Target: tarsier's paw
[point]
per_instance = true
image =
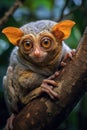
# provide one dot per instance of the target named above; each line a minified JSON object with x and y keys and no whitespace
{"x":49,"y":84}
{"x":7,"y":77}
{"x":10,"y":70}
{"x":9,"y":124}
{"x":68,"y":55}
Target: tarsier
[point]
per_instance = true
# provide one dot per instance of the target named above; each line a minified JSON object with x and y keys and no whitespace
{"x":40,"y":50}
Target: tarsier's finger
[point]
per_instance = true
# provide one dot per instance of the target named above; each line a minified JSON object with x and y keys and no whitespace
{"x":49,"y":91}
{"x":46,"y":91}
{"x":49,"y":81}
{"x":56,"y":74}
{"x":52,"y":94}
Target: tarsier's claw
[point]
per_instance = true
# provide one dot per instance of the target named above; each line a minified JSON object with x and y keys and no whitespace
{"x":48,"y":85}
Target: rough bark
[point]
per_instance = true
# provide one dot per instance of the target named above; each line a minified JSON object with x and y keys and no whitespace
{"x":43,"y":113}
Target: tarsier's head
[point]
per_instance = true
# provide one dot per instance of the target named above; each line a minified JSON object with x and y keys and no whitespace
{"x":39,"y":41}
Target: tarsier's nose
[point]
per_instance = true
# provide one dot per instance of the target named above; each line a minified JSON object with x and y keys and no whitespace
{"x":37,"y":52}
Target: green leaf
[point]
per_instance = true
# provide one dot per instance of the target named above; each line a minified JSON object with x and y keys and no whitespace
{"x":34,"y":4}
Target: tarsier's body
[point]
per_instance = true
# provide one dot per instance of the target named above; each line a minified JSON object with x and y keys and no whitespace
{"x":38,"y":55}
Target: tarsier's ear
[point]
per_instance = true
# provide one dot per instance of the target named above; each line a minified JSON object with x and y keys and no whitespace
{"x":62,"y":29}
{"x":13,"y":34}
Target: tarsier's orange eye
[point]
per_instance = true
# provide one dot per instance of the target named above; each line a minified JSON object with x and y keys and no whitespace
{"x":27,"y":45}
{"x":46,"y":42}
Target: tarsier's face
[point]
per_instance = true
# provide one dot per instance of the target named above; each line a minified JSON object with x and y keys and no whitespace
{"x":44,"y":40}
{"x":38,"y":47}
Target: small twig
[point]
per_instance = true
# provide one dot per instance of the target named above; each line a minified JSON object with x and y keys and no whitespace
{"x":70,"y":12}
{"x":10,"y":12}
{"x":62,"y":11}
{"x":73,"y":10}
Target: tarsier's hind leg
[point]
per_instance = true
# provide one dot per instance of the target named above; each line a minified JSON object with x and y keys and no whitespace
{"x":10,"y":97}
{"x":9,"y":91}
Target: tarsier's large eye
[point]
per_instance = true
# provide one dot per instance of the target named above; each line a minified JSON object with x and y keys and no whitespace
{"x":27,"y":45}
{"x":46,"y":42}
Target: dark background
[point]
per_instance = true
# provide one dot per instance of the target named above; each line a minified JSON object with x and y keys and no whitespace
{"x":57,"y":10}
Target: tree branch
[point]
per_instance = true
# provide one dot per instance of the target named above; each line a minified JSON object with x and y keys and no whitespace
{"x":62,"y":16}
{"x":45,"y":114}
{"x":62,"y":11}
{"x":10,"y":12}
{"x":71,"y":12}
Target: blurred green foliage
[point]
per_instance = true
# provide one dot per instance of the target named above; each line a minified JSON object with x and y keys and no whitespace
{"x":32,"y":10}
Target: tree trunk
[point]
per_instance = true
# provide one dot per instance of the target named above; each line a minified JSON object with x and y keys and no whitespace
{"x":43,"y":113}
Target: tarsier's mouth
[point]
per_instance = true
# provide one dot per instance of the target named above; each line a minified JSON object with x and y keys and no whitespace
{"x":38,"y":59}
